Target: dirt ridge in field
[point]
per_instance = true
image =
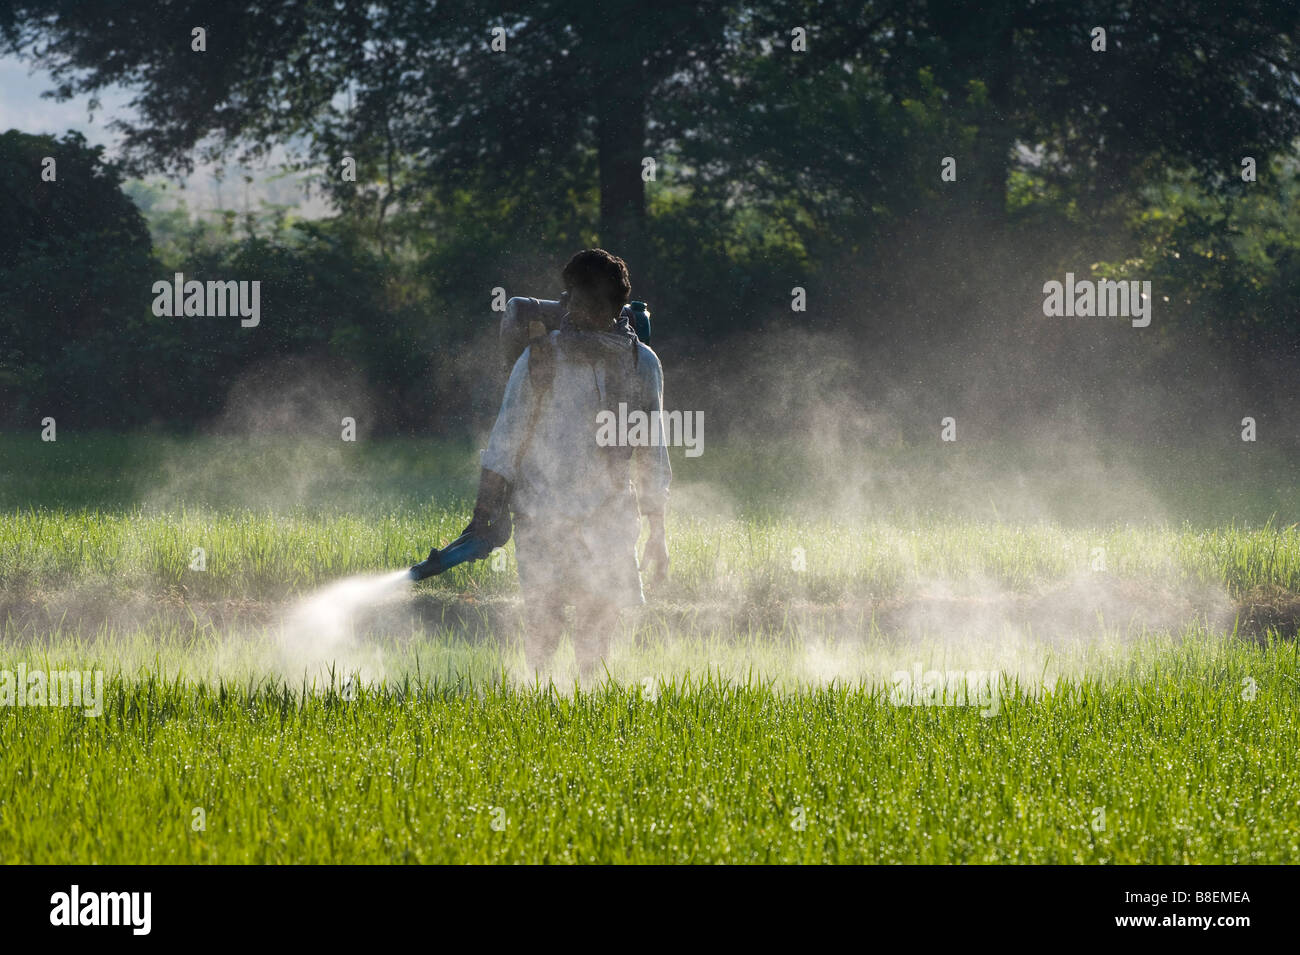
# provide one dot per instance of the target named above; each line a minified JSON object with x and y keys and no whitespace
{"x":1053,"y":611}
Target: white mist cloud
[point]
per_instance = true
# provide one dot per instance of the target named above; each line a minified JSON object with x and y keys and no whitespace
{"x":318,"y":631}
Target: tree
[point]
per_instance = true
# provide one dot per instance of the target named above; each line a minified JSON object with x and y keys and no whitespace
{"x":1191,"y":84}
{"x":414,"y":91}
{"x":75,"y":272}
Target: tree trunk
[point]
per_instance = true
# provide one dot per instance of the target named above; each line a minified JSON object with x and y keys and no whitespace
{"x":620,"y":136}
{"x":980,"y":45}
{"x":997,"y":134}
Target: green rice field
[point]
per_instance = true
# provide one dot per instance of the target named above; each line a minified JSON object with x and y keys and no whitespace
{"x":870,"y":661}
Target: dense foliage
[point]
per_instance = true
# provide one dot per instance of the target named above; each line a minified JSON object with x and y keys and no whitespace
{"x":775,"y":167}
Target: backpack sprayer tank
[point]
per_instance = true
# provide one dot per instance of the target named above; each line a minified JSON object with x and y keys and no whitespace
{"x":524,"y":320}
{"x":528,"y":318}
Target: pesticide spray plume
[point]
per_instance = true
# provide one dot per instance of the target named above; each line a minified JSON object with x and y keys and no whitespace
{"x":318,"y":635}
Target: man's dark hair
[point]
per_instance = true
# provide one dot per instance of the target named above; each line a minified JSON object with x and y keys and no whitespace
{"x":602,"y":273}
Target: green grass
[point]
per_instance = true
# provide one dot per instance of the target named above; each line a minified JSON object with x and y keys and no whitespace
{"x":748,"y":695}
{"x":698,"y":770}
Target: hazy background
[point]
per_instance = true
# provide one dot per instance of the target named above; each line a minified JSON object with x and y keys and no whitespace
{"x":774,"y":169}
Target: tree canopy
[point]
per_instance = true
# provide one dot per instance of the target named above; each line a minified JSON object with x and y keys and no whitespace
{"x":729,"y":151}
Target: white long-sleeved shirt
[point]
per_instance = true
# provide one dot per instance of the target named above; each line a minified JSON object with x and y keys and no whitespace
{"x":564,"y":474}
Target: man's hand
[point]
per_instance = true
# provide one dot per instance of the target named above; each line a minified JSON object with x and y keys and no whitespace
{"x":491,"y":520}
{"x":656,"y":550}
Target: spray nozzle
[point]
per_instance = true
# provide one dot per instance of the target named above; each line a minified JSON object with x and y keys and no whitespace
{"x":466,"y":547}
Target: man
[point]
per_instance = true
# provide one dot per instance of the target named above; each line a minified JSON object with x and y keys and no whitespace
{"x":575,"y":503}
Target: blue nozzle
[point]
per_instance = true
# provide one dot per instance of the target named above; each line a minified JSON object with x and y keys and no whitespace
{"x":457,"y":552}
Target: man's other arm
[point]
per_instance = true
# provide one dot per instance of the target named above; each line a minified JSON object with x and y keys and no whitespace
{"x":653,"y":473}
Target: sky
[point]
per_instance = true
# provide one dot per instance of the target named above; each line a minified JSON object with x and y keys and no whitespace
{"x":22,"y":107}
